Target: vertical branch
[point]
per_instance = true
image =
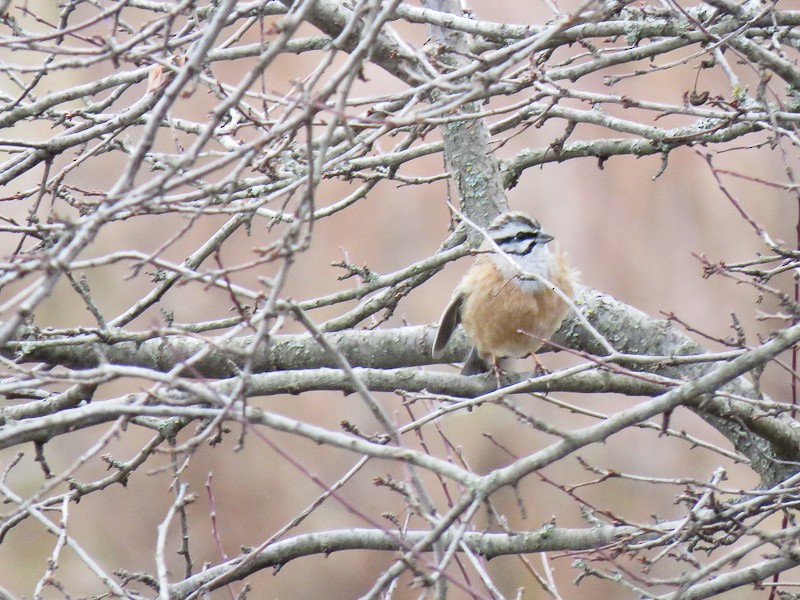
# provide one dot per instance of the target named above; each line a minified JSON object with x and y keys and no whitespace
{"x":467,"y":146}
{"x":793,"y":378}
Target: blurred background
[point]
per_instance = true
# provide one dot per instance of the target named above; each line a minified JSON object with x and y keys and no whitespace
{"x":633,"y":233}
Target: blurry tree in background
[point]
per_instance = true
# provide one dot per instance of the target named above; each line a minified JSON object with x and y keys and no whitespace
{"x":203,"y":392}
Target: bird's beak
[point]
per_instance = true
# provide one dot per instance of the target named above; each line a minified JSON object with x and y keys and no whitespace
{"x":543,"y":238}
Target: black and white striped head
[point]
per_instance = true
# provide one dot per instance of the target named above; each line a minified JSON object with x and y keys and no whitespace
{"x":517,"y":234}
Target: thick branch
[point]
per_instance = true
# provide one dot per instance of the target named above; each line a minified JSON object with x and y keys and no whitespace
{"x":488,"y":545}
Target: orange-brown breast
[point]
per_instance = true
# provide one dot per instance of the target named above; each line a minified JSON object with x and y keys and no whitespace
{"x":502,"y":320}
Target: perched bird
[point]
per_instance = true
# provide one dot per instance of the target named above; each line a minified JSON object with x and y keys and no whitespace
{"x":507,"y":302}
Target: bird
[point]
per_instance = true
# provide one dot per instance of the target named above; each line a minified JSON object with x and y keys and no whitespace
{"x":507,"y":302}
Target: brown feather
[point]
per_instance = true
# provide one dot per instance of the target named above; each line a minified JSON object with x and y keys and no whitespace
{"x":450,"y":319}
{"x":504,"y":321}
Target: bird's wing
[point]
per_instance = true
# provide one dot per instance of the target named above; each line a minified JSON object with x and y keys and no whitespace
{"x":450,"y":319}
